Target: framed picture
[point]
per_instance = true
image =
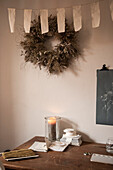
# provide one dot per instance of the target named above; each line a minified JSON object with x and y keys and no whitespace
{"x":104,"y":101}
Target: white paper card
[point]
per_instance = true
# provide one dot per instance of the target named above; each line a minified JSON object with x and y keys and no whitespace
{"x":39,"y":146}
{"x":77,"y":18}
{"x":11,"y":15}
{"x":95,"y":14}
{"x":58,"y":146}
{"x":44,"y":21}
{"x":68,"y":140}
{"x":102,"y":158}
{"x":27,"y":20}
{"x":111,"y":9}
{"x":61,"y":19}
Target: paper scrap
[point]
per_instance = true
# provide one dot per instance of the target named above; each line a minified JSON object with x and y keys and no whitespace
{"x":58,"y":147}
{"x":111,"y":9}
{"x":61,"y":19}
{"x":11,"y":15}
{"x":44,"y":20}
{"x":77,"y":17}
{"x":39,"y":146}
{"x":27,"y":19}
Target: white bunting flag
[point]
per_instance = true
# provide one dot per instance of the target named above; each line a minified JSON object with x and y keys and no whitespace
{"x":77,"y":18}
{"x":111,"y":9}
{"x":95,"y":14}
{"x":61,"y":19}
{"x":44,"y":20}
{"x":11,"y":15}
{"x":27,"y":20}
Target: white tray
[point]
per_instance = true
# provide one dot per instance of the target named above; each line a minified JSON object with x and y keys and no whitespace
{"x":26,"y":157}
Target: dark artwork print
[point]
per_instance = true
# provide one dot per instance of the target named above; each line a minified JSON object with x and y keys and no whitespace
{"x":104,"y":103}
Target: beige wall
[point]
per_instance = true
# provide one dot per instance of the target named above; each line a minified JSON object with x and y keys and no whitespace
{"x":27,"y":94}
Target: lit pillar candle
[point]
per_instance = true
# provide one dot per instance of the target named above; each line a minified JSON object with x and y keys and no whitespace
{"x":52,"y":128}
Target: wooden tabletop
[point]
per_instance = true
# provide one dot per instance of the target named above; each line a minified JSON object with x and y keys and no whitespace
{"x":72,"y":158}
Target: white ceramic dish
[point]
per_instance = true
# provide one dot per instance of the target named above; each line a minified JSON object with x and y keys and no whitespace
{"x":58,"y":143}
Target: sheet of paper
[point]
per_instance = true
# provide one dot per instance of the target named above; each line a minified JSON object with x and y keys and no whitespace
{"x":58,"y":147}
{"x":39,"y":146}
{"x":102,"y":158}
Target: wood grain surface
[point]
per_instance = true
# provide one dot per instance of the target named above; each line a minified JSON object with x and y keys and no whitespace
{"x":72,"y":158}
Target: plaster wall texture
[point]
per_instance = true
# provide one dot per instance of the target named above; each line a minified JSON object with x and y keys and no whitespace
{"x":27,"y":94}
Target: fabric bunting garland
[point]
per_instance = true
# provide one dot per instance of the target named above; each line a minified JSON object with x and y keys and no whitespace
{"x":61,"y":19}
{"x":44,"y":21}
{"x":111,"y":9}
{"x":11,"y":15}
{"x":77,"y":18}
{"x":27,"y":20}
{"x":95,"y":14}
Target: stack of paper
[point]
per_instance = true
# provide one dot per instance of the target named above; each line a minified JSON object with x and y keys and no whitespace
{"x":39,"y":146}
{"x":74,"y":140}
{"x":77,"y":140}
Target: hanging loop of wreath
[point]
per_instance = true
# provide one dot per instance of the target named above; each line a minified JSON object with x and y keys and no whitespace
{"x":55,"y":59}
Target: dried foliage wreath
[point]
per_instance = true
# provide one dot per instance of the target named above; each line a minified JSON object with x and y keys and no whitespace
{"x":56,"y":59}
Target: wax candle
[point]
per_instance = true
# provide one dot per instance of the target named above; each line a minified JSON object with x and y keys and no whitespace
{"x":52,"y":128}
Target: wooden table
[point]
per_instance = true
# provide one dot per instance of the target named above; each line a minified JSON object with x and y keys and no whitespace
{"x":72,"y":158}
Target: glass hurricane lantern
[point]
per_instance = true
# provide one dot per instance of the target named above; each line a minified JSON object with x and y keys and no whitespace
{"x":52,"y":128}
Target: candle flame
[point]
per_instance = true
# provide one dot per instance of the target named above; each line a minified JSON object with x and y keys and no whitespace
{"x":52,"y":120}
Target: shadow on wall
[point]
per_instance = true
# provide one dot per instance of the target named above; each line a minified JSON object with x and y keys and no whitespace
{"x":66,"y":123}
{"x":84,"y":37}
